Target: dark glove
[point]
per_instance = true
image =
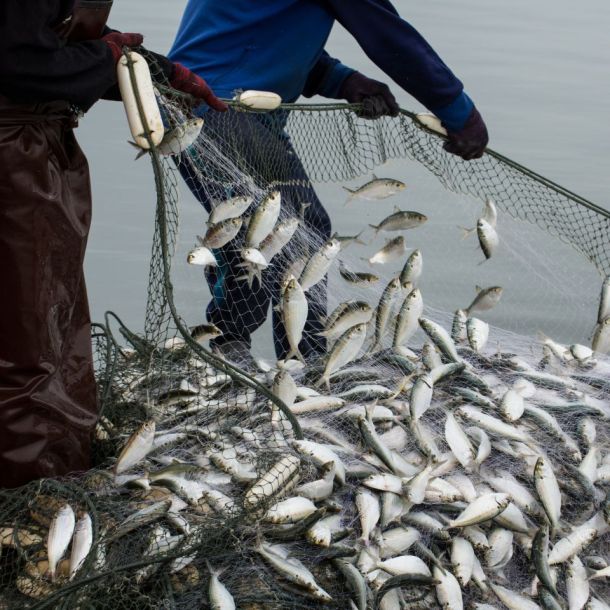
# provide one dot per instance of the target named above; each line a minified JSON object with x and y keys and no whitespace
{"x":471,"y":140}
{"x":116,"y":41}
{"x":186,"y":81}
{"x":376,"y":98}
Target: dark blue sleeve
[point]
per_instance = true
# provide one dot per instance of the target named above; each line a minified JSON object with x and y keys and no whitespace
{"x":326,"y":77}
{"x":399,"y":50}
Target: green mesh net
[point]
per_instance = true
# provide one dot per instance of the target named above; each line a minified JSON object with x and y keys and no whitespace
{"x":199,"y":457}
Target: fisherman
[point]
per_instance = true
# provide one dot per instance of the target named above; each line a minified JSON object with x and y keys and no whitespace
{"x":57,"y":58}
{"x":279,"y":46}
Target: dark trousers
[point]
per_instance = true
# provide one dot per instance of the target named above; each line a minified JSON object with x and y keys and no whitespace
{"x":258,"y":146}
{"x":47,"y":385}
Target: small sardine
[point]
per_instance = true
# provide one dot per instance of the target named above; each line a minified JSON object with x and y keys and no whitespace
{"x":318,"y":265}
{"x":263,"y":220}
{"x":356,"y":277}
{"x":400,"y":221}
{"x":487,"y":298}
{"x":230,"y":208}
{"x":201,"y":256}
{"x":60,"y":535}
{"x":393,"y":250}
{"x":488,"y":238}
{"x":412,"y":269}
{"x":377,"y":188}
{"x":137,"y":447}
{"x":222,"y":233}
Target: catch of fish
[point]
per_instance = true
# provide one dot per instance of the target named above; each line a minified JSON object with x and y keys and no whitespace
{"x":442,"y":473}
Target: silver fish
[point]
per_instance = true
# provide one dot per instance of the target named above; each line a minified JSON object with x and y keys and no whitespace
{"x":344,"y":351}
{"x":278,"y":238}
{"x":346,"y":240}
{"x":81,"y":544}
{"x":487,"y":298}
{"x":137,"y":447}
{"x":400,"y":220}
{"x":356,"y":312}
{"x":178,"y":139}
{"x":393,"y":250}
{"x":220,"y":598}
{"x":412,"y":269}
{"x":383,"y":311}
{"x":263,"y":220}
{"x":601,"y":337}
{"x":377,"y":188}
{"x":477,"y":332}
{"x":408,"y":317}
{"x":230,"y":208}
{"x":60,"y":535}
{"x":222,"y":233}
{"x":318,"y":265}
{"x":201,"y":256}
{"x":294,"y":316}
{"x":488,"y":238}
{"x":355,"y":277}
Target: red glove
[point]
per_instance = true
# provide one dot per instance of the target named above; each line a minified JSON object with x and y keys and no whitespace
{"x":116,"y":41}
{"x":186,"y":81}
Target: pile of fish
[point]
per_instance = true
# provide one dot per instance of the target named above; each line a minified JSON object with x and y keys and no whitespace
{"x":434,"y":474}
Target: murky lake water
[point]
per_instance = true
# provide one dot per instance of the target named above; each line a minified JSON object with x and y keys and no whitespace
{"x":539,"y":74}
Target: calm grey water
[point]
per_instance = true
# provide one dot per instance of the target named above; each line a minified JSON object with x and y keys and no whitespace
{"x":538,"y":72}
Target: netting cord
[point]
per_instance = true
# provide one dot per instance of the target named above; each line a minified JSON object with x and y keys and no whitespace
{"x":413,"y":116}
{"x":206,"y":355}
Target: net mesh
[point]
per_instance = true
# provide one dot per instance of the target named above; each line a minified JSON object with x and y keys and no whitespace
{"x":200,"y":451}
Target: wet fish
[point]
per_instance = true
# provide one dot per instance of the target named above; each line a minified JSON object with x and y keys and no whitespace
{"x":282,"y":233}
{"x":487,"y":298}
{"x":477,"y":332}
{"x":488,"y":238}
{"x":60,"y":535}
{"x":263,"y":220}
{"x":201,"y":256}
{"x":230,"y":208}
{"x":355,"y":277}
{"x":383,"y":311}
{"x":377,"y":188}
{"x":412,"y":270}
{"x":346,"y":348}
{"x":318,"y":265}
{"x":601,"y":337}
{"x":81,"y":544}
{"x":355,"y":312}
{"x":393,"y":250}
{"x":178,"y":139}
{"x":220,"y":598}
{"x":347,"y":240}
{"x":294,"y":316}
{"x":400,"y":220}
{"x":222,"y":233}
{"x":137,"y":447}
{"x":205,"y":332}
{"x":603,"y":310}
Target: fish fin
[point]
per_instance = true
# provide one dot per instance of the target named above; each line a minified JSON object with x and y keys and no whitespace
{"x":358,"y":240}
{"x":295,"y":352}
{"x":377,"y":229}
{"x":201,"y":240}
{"x":483,"y":261}
{"x":397,"y":209}
{"x":140,"y":154}
{"x":375,"y":176}
{"x":304,"y":207}
{"x":345,"y":188}
{"x":466,"y":232}
{"x":478,"y":288}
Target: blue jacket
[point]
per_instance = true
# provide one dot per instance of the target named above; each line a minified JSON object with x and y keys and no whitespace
{"x":278,"y":45}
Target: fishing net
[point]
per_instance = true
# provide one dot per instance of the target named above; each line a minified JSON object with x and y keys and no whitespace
{"x":222,"y":442}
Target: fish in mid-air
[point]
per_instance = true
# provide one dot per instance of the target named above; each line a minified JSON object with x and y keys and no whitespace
{"x":487,"y":298}
{"x":400,"y":220}
{"x":377,"y":188}
{"x":394,"y":249}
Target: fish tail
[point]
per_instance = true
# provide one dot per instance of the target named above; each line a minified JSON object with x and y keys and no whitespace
{"x":324,"y":380}
{"x":466,"y":232}
{"x":358,"y":240}
{"x":350,"y":196}
{"x":376,"y":227}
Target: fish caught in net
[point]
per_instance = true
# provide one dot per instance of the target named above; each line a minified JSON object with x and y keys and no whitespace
{"x":385,"y":449}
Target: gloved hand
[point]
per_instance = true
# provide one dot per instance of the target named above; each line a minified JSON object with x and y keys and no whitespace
{"x":471,"y":140}
{"x":186,"y":81}
{"x":117,"y":40}
{"x":376,"y":98}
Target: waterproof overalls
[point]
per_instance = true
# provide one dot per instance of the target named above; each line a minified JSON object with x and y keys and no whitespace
{"x":47,"y":386}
